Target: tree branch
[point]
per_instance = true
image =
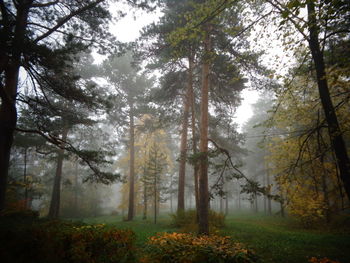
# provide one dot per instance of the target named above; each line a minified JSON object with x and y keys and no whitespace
{"x":66,"y":19}
{"x":45,"y":4}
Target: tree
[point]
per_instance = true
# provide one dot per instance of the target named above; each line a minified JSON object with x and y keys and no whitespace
{"x":152,"y":163}
{"x":180,"y":37}
{"x":152,"y":179}
{"x":31,"y":39}
{"x":301,"y":156}
{"x":335,"y":14}
{"x":257,"y":139}
{"x":130,"y":87}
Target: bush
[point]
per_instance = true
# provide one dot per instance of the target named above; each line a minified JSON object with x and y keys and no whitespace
{"x":187,"y":248}
{"x":321,"y":260}
{"x":58,"y":241}
{"x":187,"y":221}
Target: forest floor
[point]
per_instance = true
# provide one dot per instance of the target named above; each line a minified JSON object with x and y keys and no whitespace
{"x":273,"y":238}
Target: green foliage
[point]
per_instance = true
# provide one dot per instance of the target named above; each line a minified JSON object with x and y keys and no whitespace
{"x":181,"y":247}
{"x":187,"y":221}
{"x":59,"y":241}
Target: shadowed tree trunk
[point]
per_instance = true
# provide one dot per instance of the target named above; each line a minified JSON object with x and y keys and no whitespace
{"x":132,"y":162}
{"x":203,"y":208}
{"x":25,"y":179}
{"x":76,"y":184}
{"x":54,"y":210}
{"x":10,"y":65}
{"x":269,"y":210}
{"x":334,"y":130}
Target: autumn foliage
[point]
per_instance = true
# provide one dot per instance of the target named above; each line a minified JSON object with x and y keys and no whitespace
{"x":57,"y":241}
{"x":188,"y":248}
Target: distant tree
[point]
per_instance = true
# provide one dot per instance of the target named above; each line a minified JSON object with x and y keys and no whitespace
{"x":130,"y":87}
{"x":258,"y":135}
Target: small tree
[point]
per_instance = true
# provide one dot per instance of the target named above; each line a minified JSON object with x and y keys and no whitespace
{"x":153,"y":179}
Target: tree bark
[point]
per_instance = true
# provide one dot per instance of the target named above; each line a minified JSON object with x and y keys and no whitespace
{"x":56,"y":190}
{"x":144,"y":217}
{"x":132,"y":163}
{"x":8,"y":113}
{"x":76,"y":189}
{"x":269,"y":209}
{"x":334,"y":130}
{"x":203,"y":208}
{"x":183,"y":150}
{"x":25,"y":179}
{"x":155,"y":190}
{"x":193,"y":128}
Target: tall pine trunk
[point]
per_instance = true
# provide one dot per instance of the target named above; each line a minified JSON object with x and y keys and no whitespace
{"x":193,"y":128}
{"x":334,"y":130}
{"x":8,"y":114}
{"x":132,"y":163}
{"x":203,"y":208}
{"x":183,"y":149}
{"x":54,"y":210}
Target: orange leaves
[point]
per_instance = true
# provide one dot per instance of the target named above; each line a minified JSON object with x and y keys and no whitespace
{"x":322,"y":260}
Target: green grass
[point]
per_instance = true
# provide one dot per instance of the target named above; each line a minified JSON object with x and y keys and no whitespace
{"x":275,"y":240}
{"x":279,"y":240}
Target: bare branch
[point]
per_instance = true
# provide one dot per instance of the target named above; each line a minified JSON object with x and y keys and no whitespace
{"x":45,"y":4}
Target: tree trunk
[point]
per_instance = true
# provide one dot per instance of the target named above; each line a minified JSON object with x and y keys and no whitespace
{"x":282,"y":209}
{"x":155,"y":194}
{"x":203,"y":208}
{"x":76,"y":189}
{"x":56,"y":190}
{"x":25,"y":179}
{"x":144,"y":202}
{"x":239,"y":197}
{"x":132,"y":163}
{"x":264,"y":196}
{"x":8,"y":114}
{"x":269,"y":209}
{"x":183,"y":150}
{"x":334,"y":130}
{"x":193,"y":128}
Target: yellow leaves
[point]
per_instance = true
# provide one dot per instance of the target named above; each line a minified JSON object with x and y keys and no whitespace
{"x":184,"y":247}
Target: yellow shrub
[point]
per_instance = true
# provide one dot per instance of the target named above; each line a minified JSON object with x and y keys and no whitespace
{"x":188,"y":248}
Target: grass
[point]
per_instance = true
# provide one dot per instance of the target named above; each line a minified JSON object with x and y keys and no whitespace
{"x":280,"y":240}
{"x":273,"y":238}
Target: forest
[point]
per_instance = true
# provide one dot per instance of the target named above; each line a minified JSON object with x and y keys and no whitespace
{"x":186,"y":131}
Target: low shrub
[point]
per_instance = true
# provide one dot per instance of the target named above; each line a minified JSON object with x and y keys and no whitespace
{"x":188,"y":248}
{"x":322,"y":260}
{"x":187,"y":221}
{"x":58,"y":242}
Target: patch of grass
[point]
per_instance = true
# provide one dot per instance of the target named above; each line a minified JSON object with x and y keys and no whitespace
{"x":280,"y":240}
